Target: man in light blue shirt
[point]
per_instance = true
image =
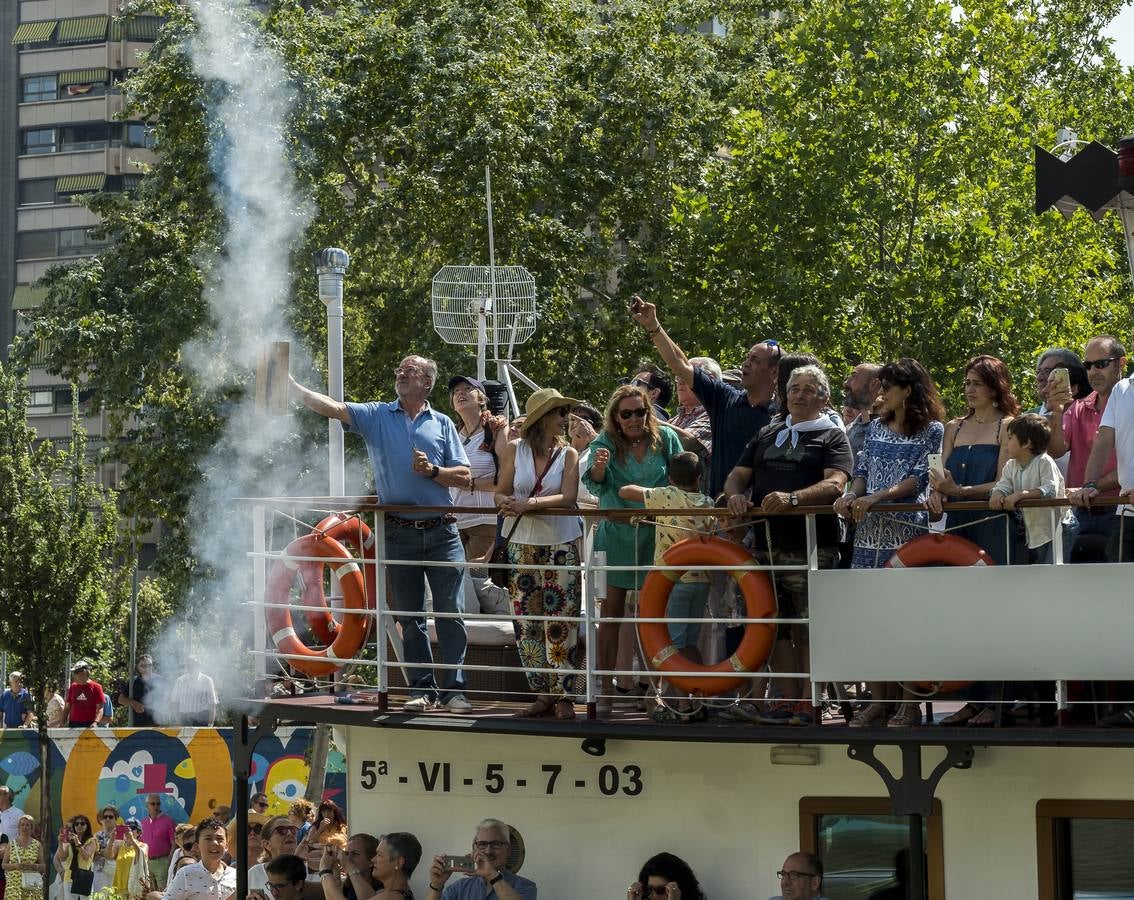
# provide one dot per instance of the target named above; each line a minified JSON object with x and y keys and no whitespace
{"x":490,"y":879}
{"x":417,"y":456}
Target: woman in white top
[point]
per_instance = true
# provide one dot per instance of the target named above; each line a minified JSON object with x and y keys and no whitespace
{"x":277,"y":837}
{"x":541,"y":455}
{"x":485,"y":438}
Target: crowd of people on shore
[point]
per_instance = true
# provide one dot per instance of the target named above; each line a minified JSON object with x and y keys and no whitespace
{"x":744,"y":445}
{"x":308,"y":854}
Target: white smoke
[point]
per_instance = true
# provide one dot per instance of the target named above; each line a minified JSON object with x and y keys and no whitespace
{"x":247,"y":286}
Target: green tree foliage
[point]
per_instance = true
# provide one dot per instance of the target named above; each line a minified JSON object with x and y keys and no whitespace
{"x":59,"y":588}
{"x":879,"y":200}
{"x":874,"y":198}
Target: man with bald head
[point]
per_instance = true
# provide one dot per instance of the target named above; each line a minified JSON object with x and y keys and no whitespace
{"x":801,"y":878}
{"x":417,"y":456}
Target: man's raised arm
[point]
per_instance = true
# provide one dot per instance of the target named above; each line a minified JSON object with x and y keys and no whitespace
{"x":320,"y":403}
{"x":646,"y":315}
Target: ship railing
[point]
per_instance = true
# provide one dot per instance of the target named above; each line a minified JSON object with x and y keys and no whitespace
{"x":916,"y":626}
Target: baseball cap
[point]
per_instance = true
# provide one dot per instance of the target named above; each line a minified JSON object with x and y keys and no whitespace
{"x":81,"y":664}
{"x":471,"y":382}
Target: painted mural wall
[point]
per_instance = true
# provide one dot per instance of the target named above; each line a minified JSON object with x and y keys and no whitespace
{"x":189,"y":768}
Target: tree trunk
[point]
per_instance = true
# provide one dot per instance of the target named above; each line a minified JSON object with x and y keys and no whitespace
{"x":320,"y":747}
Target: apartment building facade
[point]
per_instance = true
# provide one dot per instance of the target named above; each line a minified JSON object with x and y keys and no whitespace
{"x":62,"y":135}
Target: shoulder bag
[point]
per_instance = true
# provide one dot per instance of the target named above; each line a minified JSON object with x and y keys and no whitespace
{"x":499,"y":557}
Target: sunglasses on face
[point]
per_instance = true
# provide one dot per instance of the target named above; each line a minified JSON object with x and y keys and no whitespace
{"x":255,"y":828}
{"x":284,"y":829}
{"x":639,"y":413}
{"x":658,"y":890}
{"x":1089,"y":364}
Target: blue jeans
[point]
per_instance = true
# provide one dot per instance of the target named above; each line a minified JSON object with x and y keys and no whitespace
{"x":407,"y":593}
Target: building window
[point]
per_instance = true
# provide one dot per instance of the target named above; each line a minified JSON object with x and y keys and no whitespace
{"x":41,"y":399}
{"x":859,"y":839}
{"x":88,"y":136}
{"x":38,"y":140}
{"x":79,"y":242}
{"x":41,"y":190}
{"x":138,"y":135}
{"x":38,"y":88}
{"x":1077,"y":842}
{"x":35,"y":245}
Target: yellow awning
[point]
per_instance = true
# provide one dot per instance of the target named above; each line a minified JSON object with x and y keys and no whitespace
{"x":85,"y":30}
{"x":34,"y":32}
{"x":84,"y":76}
{"x":139,"y":28}
{"x":27,"y":297}
{"x":77,"y":184}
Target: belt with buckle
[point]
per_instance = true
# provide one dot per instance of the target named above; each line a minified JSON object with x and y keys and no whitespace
{"x":420,"y":524}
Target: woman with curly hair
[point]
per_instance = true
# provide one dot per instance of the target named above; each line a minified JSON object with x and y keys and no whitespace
{"x":632,"y":449}
{"x":974,"y":455}
{"x":893,"y":466}
{"x":668,"y":876}
{"x":537,"y":471}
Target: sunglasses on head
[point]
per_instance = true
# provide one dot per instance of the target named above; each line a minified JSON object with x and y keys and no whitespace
{"x":284,"y":829}
{"x":639,"y":413}
{"x":772,"y":342}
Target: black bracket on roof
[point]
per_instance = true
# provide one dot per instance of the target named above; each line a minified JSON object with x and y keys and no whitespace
{"x":911,"y":794}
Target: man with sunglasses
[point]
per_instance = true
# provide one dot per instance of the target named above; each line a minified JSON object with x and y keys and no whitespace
{"x":801,"y":878}
{"x":735,"y":414}
{"x":159,"y":833}
{"x":490,"y":878}
{"x":657,"y":388}
{"x":417,"y":455}
{"x":1074,"y":427}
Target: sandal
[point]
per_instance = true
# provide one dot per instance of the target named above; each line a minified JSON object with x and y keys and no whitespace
{"x":988,"y":717}
{"x":565,"y":710}
{"x":665,"y":715}
{"x":540,"y":709}
{"x":908,"y":715}
{"x":961,"y":716}
{"x":874,"y":714}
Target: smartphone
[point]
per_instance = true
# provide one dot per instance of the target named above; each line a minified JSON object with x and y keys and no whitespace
{"x":937,"y":464}
{"x":120,"y":832}
{"x":66,"y":832}
{"x":458,"y":863}
{"x":1060,"y":379}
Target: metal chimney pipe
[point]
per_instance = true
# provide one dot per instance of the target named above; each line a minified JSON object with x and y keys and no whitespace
{"x":331,"y":265}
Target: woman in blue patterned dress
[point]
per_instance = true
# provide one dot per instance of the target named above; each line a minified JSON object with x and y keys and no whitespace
{"x":893,"y":466}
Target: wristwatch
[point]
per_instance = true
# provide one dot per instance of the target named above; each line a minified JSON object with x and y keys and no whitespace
{"x":498,"y":877}
{"x":794,"y":498}
{"x":435,"y":471}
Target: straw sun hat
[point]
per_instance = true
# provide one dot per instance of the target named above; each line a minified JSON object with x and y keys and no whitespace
{"x":540,"y":404}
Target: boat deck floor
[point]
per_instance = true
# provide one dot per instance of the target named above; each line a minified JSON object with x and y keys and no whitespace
{"x":629,"y":723}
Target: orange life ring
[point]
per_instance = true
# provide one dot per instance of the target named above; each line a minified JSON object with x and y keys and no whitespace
{"x":356,"y":534}
{"x":351,"y":635}
{"x":938,"y":549}
{"x":759,"y":603}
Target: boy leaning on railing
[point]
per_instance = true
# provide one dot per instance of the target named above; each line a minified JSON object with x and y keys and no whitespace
{"x":690,"y":594}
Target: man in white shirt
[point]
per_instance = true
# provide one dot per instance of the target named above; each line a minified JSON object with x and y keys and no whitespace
{"x":9,"y":814}
{"x":194,"y":697}
{"x":211,"y":878}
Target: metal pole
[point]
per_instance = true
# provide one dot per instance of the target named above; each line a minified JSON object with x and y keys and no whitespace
{"x":331,"y":265}
{"x":916,"y":888}
{"x":133,"y":617}
{"x":491,"y":278}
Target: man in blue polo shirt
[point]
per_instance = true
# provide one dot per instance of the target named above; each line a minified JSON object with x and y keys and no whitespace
{"x":417,"y":456}
{"x":16,"y":702}
{"x":736,"y":415}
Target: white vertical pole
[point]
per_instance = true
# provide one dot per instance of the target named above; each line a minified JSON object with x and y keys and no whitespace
{"x":331,"y":265}
{"x":491,"y":310}
{"x":259,"y":586}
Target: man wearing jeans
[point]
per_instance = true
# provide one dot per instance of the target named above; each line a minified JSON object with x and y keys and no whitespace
{"x":417,"y":456}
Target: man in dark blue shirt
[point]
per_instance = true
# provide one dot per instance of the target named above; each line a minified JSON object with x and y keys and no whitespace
{"x":736,"y":415}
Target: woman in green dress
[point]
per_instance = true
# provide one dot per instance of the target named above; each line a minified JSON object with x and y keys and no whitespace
{"x":634,"y":448}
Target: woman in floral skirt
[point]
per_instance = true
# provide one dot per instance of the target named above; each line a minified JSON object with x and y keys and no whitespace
{"x":538,"y":471}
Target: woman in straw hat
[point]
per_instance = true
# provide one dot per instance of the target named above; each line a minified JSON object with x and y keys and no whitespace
{"x":632,"y":449}
{"x":540,"y":470}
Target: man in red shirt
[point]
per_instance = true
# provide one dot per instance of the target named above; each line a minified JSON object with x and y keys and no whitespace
{"x":1074,"y":424}
{"x":85,"y":698}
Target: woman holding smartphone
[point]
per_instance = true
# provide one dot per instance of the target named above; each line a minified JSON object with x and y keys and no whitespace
{"x":105,"y":837}
{"x":124,"y":852}
{"x":75,"y":857}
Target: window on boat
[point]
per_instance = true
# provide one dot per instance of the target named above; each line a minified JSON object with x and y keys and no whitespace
{"x":859,"y":840}
{"x":1079,"y":855}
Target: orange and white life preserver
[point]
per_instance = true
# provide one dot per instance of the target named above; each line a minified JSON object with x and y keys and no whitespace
{"x":937,"y":549}
{"x":356,"y":534}
{"x":351,"y":634}
{"x":759,"y":603}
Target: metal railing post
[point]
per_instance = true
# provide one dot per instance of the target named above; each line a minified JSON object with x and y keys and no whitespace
{"x":589,"y":624}
{"x":380,"y":600}
{"x":259,"y":586}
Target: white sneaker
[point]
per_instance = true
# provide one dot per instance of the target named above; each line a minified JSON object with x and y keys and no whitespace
{"x":458,"y":704}
{"x":419,"y":704}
